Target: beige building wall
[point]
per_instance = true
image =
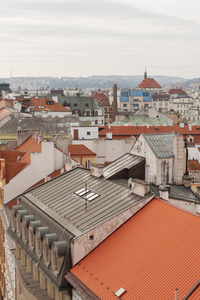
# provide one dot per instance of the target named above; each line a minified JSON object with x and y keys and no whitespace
{"x":85,"y":243}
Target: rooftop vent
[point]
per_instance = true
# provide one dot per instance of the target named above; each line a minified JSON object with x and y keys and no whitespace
{"x":120,"y":292}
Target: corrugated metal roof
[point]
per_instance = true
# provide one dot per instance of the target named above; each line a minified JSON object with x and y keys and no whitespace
{"x":57,"y":198}
{"x":152,"y":254}
{"x":126,"y":161}
{"x":160,"y":144}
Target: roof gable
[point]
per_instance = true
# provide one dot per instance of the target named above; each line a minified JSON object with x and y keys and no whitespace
{"x":149,"y":83}
{"x":160,"y":144}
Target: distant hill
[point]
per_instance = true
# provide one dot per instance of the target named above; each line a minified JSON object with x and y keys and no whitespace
{"x":91,"y":82}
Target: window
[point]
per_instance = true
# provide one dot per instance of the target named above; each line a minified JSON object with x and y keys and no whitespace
{"x":124,"y":105}
{"x":86,"y":104}
{"x":31,"y":233}
{"x":75,"y":104}
{"x":25,"y":223}
{"x":96,"y":113}
{"x":19,"y":215}
{"x":13,"y":216}
{"x":48,"y":240}
{"x":96,"y":122}
{"x":49,"y":102}
{"x":110,"y":108}
{"x":135,"y":105}
{"x":57,"y":256}
{"x":88,"y":132}
{"x":105,"y":108}
{"x":87,"y":112}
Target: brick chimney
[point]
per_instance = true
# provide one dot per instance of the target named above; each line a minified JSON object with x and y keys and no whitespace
{"x":114,"y":104}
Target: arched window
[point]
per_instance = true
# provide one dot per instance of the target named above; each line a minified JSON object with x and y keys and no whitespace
{"x":39,"y":235}
{"x":47,"y":243}
{"x":31,"y":233}
{"x":58,"y":252}
{"x":13,"y":216}
{"x":25,"y":223}
{"x":19,"y":216}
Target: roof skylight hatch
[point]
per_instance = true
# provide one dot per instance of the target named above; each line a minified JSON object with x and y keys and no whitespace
{"x":86,"y":194}
{"x":120,"y":292}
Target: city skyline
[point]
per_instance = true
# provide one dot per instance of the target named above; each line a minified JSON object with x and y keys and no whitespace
{"x":74,"y":38}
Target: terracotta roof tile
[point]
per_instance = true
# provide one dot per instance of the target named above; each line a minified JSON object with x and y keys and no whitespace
{"x":177,"y":91}
{"x":149,"y":83}
{"x":99,"y":95}
{"x":4,"y":112}
{"x":10,"y":155}
{"x":29,"y":146}
{"x":128,"y":131}
{"x":12,"y":169}
{"x":149,"y":256}
{"x":42,"y":102}
{"x":194,"y":165}
{"x":77,"y":150}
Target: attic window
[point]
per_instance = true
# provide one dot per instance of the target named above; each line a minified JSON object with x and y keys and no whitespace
{"x":49,"y":102}
{"x":86,"y":194}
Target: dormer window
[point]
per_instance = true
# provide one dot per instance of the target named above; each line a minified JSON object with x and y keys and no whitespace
{"x":25,"y":223}
{"x":31,"y":233}
{"x":47,"y":243}
{"x":88,"y":112}
{"x":39,"y":235}
{"x":13,"y":216}
{"x":58,"y":252}
{"x":19,"y":215}
{"x":49,"y":102}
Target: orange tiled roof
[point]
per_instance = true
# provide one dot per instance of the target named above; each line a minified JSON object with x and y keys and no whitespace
{"x":10,"y":155}
{"x":128,"y":131}
{"x":79,"y":150}
{"x":12,"y":169}
{"x":194,"y":165}
{"x":4,"y":112}
{"x":149,"y":83}
{"x":42,"y":102}
{"x":12,"y":164}
{"x":29,"y":146}
{"x":100,"y":95}
{"x":177,"y":91}
{"x":152,"y":254}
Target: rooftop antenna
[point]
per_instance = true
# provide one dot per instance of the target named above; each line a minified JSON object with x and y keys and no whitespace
{"x":86,"y":200}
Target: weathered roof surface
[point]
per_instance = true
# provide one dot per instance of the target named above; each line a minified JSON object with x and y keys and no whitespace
{"x":4,"y":112}
{"x":59,"y":199}
{"x":149,"y":83}
{"x":179,"y":192}
{"x":126,"y":161}
{"x":78,"y":150}
{"x":149,"y":256}
{"x":11,"y":124}
{"x":141,"y":121}
{"x":40,"y":104}
{"x":194,"y":165}
{"x":160,"y":144}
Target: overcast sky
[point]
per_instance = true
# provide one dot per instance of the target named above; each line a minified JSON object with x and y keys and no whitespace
{"x":106,"y":37}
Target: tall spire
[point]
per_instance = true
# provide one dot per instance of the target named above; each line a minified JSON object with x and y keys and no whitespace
{"x":145,"y":73}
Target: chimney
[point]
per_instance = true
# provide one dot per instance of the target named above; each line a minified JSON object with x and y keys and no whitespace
{"x":96,"y":170}
{"x":109,"y":135}
{"x":140,"y":187}
{"x":164,"y":192}
{"x":187,"y":179}
{"x":190,"y":127}
{"x":114,"y":104}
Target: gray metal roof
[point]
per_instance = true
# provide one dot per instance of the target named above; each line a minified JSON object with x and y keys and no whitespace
{"x":160,"y":144}
{"x":57,"y":198}
{"x":126,"y":161}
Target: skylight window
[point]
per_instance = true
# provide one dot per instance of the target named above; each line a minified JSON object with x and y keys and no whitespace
{"x":86,"y":194}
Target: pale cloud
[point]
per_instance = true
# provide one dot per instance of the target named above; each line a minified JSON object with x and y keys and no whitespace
{"x":72,"y":38}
